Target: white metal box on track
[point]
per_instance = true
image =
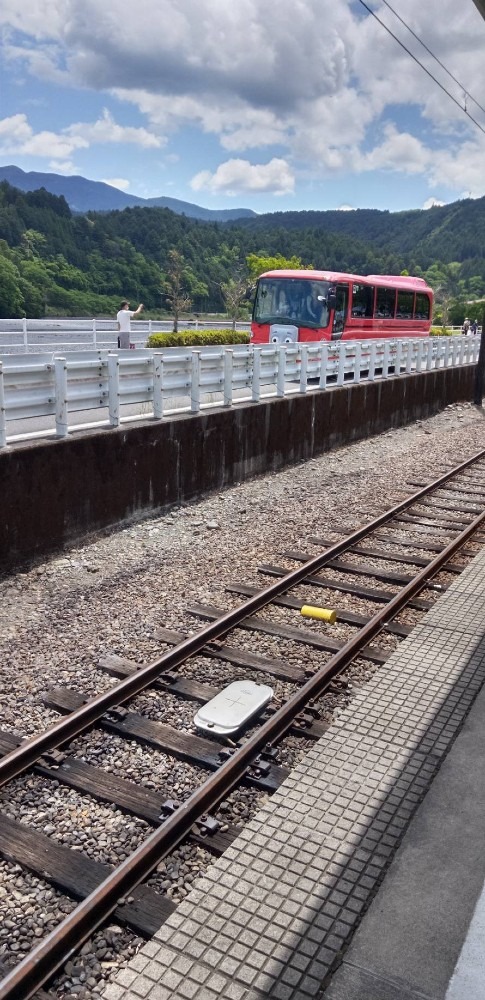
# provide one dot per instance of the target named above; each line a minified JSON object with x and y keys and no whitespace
{"x":233,"y":707}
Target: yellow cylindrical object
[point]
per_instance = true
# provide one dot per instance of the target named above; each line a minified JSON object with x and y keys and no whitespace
{"x":324,"y":614}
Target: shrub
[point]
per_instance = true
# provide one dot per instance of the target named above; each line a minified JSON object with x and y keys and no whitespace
{"x":197,"y":338}
{"x":441,"y":331}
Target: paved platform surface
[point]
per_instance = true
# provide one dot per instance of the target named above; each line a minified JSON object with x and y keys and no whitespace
{"x":359,"y":834}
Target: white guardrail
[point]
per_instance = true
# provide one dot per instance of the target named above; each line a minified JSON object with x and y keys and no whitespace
{"x":29,"y":335}
{"x":176,"y":380}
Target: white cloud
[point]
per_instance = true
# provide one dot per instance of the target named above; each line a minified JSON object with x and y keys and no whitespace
{"x":17,"y":137}
{"x":346,"y":208}
{"x":66,"y":167}
{"x":117,"y":182}
{"x":237,"y":176}
{"x":433,"y":203}
{"x":42,"y":20}
{"x":105,"y":129}
{"x":460,"y":166}
{"x":313,"y":80}
{"x":399,"y":151}
{"x":15,"y":129}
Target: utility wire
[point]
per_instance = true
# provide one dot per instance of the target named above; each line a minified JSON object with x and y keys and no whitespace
{"x":416,"y":60}
{"x":418,"y":39}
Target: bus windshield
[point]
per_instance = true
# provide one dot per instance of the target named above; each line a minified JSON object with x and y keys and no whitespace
{"x":299,"y":301}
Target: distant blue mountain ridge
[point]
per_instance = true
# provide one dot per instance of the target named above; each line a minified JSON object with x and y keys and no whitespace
{"x":83,"y":195}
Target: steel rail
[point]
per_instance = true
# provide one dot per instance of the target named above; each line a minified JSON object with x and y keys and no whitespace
{"x":41,"y":964}
{"x":77,"y":722}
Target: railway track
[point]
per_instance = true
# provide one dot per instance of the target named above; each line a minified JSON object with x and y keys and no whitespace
{"x":395,"y":567}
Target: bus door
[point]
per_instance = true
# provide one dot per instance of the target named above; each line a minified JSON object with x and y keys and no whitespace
{"x":340,"y":313}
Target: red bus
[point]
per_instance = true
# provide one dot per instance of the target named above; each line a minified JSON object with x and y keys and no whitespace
{"x":292,"y":306}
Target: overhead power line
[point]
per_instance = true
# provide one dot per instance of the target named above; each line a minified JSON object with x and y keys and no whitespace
{"x":426,"y":70}
{"x":420,"y":40}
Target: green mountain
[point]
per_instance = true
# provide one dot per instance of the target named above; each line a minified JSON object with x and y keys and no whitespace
{"x":56,"y":261}
{"x":448,"y":232}
{"x":83,"y":195}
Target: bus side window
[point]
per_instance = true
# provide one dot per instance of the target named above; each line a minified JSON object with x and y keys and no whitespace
{"x":362,"y":301}
{"x":405,"y":304}
{"x":422,"y":309}
{"x":385,"y":303}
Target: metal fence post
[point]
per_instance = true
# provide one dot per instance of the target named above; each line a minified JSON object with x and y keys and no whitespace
{"x":256,"y":380}
{"x":228,"y":371}
{"x":357,"y":362}
{"x":341,"y":364}
{"x":60,"y":371}
{"x":114,"y":389}
{"x":446,"y":359}
{"x":3,"y":412}
{"x":95,"y":342}
{"x":323,"y":366}
{"x":195,"y":384}
{"x":158,"y":385}
{"x":280,"y":378}
{"x":303,"y":367}
{"x":386,"y":360}
{"x":410,"y":347}
{"x":372,"y":361}
{"x":419,"y":356}
{"x":25,"y":335}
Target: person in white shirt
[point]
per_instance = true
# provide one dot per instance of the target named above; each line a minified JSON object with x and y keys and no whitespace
{"x":123,"y":319}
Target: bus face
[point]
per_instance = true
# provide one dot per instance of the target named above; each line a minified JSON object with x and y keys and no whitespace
{"x":306,"y":306}
{"x":288,"y":309}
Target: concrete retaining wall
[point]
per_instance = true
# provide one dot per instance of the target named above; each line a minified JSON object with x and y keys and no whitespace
{"x":53,"y":493}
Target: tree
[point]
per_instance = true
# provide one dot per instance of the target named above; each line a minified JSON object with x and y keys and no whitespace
{"x":36,"y":283}
{"x":234,"y":292}
{"x":175,"y":286}
{"x":448,"y":287}
{"x":32,"y":243}
{"x":11,"y":298}
{"x":259,"y":263}
{"x":34,"y":299}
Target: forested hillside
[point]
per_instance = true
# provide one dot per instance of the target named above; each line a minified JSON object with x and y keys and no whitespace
{"x":448,"y":232}
{"x":54,"y":262}
{"x":83,"y":195}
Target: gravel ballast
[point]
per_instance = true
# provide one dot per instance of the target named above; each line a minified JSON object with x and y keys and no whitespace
{"x":59,"y":617}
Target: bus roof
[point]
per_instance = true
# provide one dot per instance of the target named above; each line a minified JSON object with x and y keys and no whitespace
{"x":404,"y":281}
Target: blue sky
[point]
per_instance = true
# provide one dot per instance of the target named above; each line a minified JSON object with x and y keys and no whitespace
{"x":303,"y":104}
